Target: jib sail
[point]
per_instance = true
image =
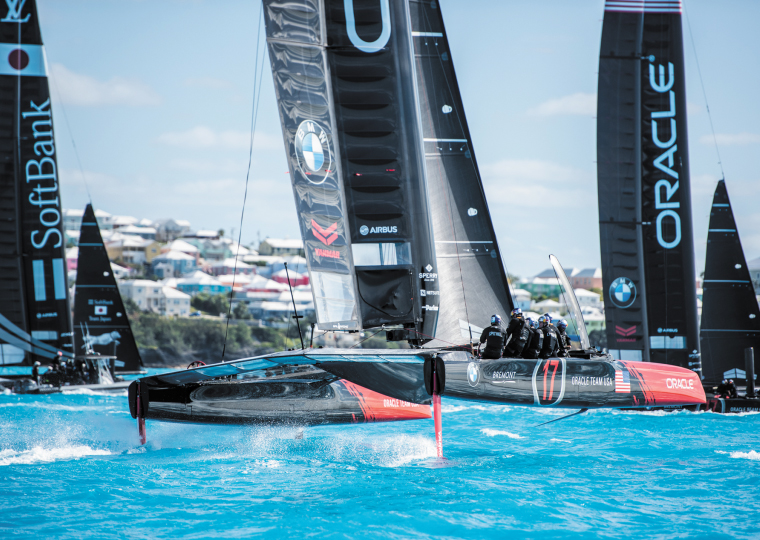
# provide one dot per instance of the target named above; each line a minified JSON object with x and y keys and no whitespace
{"x":343,"y":75}
{"x":730,"y":314}
{"x":472,"y":283}
{"x":100,"y":320}
{"x":35,"y":320}
{"x":643,"y":183}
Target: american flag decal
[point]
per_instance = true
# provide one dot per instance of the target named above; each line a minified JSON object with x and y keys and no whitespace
{"x":622,"y":382}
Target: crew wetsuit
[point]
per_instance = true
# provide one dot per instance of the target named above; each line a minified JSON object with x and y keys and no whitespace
{"x":518,"y":333}
{"x":534,"y":345}
{"x":563,"y":343}
{"x":494,"y":337}
{"x":549,"y":347}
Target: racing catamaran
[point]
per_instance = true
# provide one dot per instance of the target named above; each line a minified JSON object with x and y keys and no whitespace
{"x":397,"y":232}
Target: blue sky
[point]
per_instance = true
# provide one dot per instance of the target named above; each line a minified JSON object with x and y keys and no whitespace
{"x":157,"y":94}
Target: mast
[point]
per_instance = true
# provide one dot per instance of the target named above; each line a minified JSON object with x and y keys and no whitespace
{"x":35,"y":319}
{"x":644,"y":186}
{"x":730,"y":313}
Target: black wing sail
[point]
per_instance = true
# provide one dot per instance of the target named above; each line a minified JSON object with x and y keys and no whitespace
{"x":472,"y":280}
{"x":343,"y":77}
{"x":99,"y":315}
{"x":730,"y":314}
{"x":644,"y":187}
{"x":35,"y":319}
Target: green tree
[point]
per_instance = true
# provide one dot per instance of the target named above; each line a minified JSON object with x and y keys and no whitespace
{"x":212,"y":304}
{"x":240,"y":311}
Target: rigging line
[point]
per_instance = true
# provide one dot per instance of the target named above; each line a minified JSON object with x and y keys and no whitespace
{"x":439,"y":339}
{"x":254,"y":116}
{"x":370,"y":337}
{"x":71,"y":136}
{"x":704,"y":93}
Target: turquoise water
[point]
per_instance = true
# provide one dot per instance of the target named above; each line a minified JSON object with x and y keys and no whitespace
{"x":72,"y":467}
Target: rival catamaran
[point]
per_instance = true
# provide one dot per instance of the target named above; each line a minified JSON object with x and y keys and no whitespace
{"x":397,"y":231}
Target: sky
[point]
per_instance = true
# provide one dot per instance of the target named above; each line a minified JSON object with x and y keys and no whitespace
{"x":156,"y":97}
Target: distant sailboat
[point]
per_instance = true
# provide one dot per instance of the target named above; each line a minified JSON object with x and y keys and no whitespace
{"x":396,"y":230}
{"x":100,"y":320}
{"x":730,"y":314}
{"x":644,"y":188}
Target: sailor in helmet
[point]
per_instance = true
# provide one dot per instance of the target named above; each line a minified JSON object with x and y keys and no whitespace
{"x":494,"y":337}
{"x":518,"y":334}
{"x":549,"y":347}
{"x":563,"y":340}
{"x":536,"y":340}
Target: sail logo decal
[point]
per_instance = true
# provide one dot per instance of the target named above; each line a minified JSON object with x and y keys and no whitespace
{"x":619,"y":330}
{"x":328,"y":235}
{"x":15,"y":7}
{"x":622,"y":382}
{"x":359,"y":43}
{"x":101,"y":310}
{"x":473,"y":373}
{"x":21,"y":59}
{"x":313,"y":152}
{"x":666,"y":188}
{"x":622,"y":292}
{"x":364,"y":230}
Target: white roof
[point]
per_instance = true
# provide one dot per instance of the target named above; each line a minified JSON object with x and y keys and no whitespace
{"x":583,"y":293}
{"x":72,"y":253}
{"x":73,"y":212}
{"x":204,"y":280}
{"x":72,"y":234}
{"x":239,"y":279}
{"x":754,"y":264}
{"x":298,"y":296}
{"x":144,"y":222}
{"x":276,"y":306}
{"x":121,"y":221}
{"x":207,"y":234}
{"x":142,"y":283}
{"x":283,"y":273}
{"x":272,"y":284}
{"x":285,"y":243}
{"x":547,"y":304}
{"x":184,"y":247}
{"x":174,"y":293}
{"x":522,"y":292}
{"x":134,"y":229}
{"x":230,"y":262}
{"x":197,"y":274}
{"x":174,"y":256}
{"x":100,"y":214}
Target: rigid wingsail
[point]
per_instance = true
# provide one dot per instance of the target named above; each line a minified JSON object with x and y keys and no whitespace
{"x":644,"y":187}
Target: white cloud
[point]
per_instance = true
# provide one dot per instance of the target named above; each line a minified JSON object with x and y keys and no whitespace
{"x":77,"y":89}
{"x":205,"y":137}
{"x":579,"y":104}
{"x":731,"y":139}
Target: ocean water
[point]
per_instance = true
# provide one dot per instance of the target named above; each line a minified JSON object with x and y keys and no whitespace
{"x":72,"y":467}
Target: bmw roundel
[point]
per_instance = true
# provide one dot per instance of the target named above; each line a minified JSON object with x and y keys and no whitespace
{"x":313,"y":151}
{"x":623,"y":292}
{"x":473,"y":373}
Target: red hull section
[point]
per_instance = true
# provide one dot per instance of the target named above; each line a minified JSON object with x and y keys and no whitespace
{"x":663,"y":384}
{"x":379,"y":408}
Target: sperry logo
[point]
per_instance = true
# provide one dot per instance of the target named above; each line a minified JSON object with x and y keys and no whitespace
{"x":326,"y":236}
{"x":15,"y":7}
{"x":619,"y":330}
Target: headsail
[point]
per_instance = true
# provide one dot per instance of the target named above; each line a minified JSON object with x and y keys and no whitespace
{"x":35,"y":319}
{"x":100,"y":319}
{"x":472,"y":280}
{"x":644,"y":188}
{"x":730,"y":314}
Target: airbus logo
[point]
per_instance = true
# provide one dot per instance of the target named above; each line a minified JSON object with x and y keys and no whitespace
{"x":364,"y":230}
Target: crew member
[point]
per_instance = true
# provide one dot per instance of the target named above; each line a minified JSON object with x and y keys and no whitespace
{"x":732,"y":393}
{"x":533,"y":348}
{"x":518,"y":333}
{"x":494,"y":337}
{"x":36,"y":373}
{"x":549,"y":347}
{"x":551,"y":324}
{"x":563,"y":340}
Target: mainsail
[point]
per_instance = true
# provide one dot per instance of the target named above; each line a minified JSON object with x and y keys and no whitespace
{"x":100,"y":320}
{"x":381,"y":165}
{"x":730,"y":314}
{"x":35,"y":320}
{"x":644,"y":189}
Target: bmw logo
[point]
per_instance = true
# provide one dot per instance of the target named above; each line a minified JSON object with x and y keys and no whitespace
{"x":313,"y":152}
{"x":623,"y":292}
{"x":473,"y":373}
{"x":364,"y":230}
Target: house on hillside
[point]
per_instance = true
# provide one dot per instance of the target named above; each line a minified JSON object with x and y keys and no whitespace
{"x":588,"y":278}
{"x":281,"y":247}
{"x":181,"y":263}
{"x":168,"y":230}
